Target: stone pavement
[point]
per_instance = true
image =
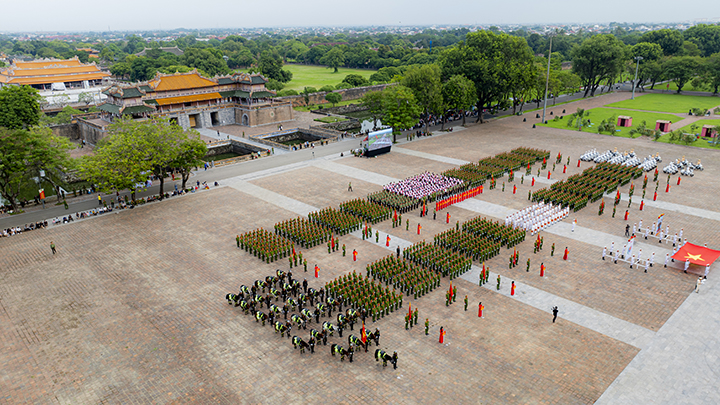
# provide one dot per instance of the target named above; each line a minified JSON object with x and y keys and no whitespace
{"x":131,"y":308}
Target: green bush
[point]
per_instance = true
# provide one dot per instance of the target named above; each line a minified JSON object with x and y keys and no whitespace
{"x":273,"y":84}
{"x":343,"y":85}
{"x":284,"y":93}
{"x":327,"y":88}
{"x":699,"y":111}
{"x":355,"y":80}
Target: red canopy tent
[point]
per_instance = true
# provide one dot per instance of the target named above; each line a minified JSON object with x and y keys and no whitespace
{"x":696,"y":254}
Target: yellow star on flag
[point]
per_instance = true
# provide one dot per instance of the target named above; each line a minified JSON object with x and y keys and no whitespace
{"x":695,"y":257}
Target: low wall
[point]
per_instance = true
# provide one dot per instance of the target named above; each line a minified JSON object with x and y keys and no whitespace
{"x":311,"y":135}
{"x":347,"y":94}
{"x":70,"y":131}
{"x":237,"y":147}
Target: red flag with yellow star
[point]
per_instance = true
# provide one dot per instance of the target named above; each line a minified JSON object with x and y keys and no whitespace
{"x":696,"y":254}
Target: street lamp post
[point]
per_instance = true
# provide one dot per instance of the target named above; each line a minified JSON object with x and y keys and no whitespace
{"x":637,"y":65}
{"x":547,"y":80}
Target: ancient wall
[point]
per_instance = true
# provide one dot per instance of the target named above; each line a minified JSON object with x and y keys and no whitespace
{"x":69,"y":131}
{"x":347,"y":94}
{"x":266,"y":114}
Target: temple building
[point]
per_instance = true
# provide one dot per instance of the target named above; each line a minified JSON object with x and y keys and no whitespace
{"x":53,"y":74}
{"x":194,"y":101}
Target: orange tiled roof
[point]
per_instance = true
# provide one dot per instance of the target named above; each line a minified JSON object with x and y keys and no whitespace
{"x":187,"y":99}
{"x":52,"y":79}
{"x":180,"y":81}
{"x":47,"y":62}
{"x":48,"y":71}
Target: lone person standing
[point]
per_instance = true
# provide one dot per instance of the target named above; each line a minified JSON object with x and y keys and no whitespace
{"x":52,"y":247}
{"x":555,"y":312}
{"x":349,"y":185}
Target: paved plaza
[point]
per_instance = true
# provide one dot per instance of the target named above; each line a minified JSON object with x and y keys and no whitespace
{"x":131,"y":309}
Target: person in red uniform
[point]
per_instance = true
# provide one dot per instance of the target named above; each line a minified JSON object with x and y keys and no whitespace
{"x":442,"y":334}
{"x":542,"y":270}
{"x":512,"y":289}
{"x":480,"y":309}
{"x":354,"y":255}
{"x":317,"y":271}
{"x":566,"y":254}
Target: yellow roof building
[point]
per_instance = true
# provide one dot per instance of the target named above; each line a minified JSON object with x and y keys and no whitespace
{"x":41,"y":74}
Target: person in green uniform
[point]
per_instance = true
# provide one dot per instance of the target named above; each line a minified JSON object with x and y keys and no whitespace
{"x":427,"y":326}
{"x":237,"y":240}
{"x":466,"y":302}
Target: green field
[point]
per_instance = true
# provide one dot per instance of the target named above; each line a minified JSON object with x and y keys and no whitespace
{"x":318,"y":76}
{"x":673,"y":87}
{"x":599,"y":114}
{"x":672,"y":103}
{"x":699,"y":125}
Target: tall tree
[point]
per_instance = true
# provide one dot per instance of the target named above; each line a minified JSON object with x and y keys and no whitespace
{"x":598,"y":58}
{"x":333,"y":58}
{"x":491,"y":61}
{"x":374,"y":102}
{"x":133,"y":148}
{"x":459,"y":94}
{"x":706,"y":37}
{"x":24,"y":154}
{"x":401,"y":109}
{"x":671,"y":41}
{"x":19,"y":107}
{"x":710,"y":72}
{"x":649,"y":52}
{"x":424,"y":81}
{"x":681,"y":69}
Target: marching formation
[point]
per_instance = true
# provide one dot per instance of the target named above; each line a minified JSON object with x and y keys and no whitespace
{"x":401,"y":203}
{"x":303,"y":232}
{"x":438,"y":259}
{"x":362,"y":292}
{"x":476,"y":247}
{"x":426,"y":185}
{"x":282,"y":289}
{"x":339,"y":222}
{"x":367,"y":210}
{"x":410,"y":279}
{"x":494,"y":231}
{"x":576,"y":191}
{"x":264,"y":245}
{"x":537,"y":217}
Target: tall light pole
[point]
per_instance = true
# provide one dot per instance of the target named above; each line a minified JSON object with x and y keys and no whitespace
{"x":637,"y":65}
{"x":547,"y":79}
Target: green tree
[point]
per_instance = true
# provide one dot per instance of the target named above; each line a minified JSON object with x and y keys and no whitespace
{"x":459,"y":94}
{"x":306,"y":95}
{"x":490,"y":60}
{"x":374,"y":101}
{"x":649,"y":52}
{"x":579,"y":119}
{"x":334,"y":58}
{"x":598,"y":58}
{"x":401,"y":110}
{"x":681,"y":69}
{"x":86,"y":98}
{"x":671,"y":41}
{"x":133,"y":148}
{"x":271,"y":66}
{"x":120,"y":70}
{"x":709,"y":73}
{"x":24,"y":154}
{"x":355,"y":80}
{"x":705,"y":36}
{"x":333,"y":98}
{"x":19,"y":107}
{"x":424,"y":81}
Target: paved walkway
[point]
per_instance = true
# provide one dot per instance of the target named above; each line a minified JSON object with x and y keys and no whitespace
{"x":668,"y":206}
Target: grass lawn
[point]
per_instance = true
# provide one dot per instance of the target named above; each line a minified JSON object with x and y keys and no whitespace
{"x":318,"y":76}
{"x":599,"y":114}
{"x":673,"y":87}
{"x":672,"y":103}
{"x":329,"y":120}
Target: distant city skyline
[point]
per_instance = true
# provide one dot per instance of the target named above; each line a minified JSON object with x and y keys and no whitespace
{"x":135,"y":15}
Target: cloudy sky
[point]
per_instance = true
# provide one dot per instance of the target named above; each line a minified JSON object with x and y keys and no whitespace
{"x":76,"y":15}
